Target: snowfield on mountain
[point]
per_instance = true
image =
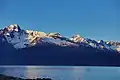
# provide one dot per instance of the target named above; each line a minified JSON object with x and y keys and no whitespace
{"x":20,"y":46}
{"x":19,"y":38}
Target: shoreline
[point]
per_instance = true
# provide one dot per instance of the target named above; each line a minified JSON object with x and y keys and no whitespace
{"x":4,"y":77}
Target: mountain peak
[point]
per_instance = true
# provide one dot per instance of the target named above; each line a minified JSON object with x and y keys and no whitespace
{"x":19,"y":38}
{"x":55,"y":34}
{"x":78,"y":38}
{"x":12,"y":27}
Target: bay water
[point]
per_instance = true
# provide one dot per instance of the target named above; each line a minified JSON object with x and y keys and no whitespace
{"x":63,"y":72}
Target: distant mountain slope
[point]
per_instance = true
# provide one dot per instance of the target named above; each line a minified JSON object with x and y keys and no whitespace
{"x":27,"y":47}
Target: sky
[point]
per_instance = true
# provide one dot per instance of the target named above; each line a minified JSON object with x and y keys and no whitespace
{"x":95,"y":19}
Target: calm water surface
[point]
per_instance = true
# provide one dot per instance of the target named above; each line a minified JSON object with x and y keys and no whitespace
{"x":63,"y":72}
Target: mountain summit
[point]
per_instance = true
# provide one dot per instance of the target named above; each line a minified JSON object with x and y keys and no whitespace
{"x":19,"y":38}
{"x":28,"y":47}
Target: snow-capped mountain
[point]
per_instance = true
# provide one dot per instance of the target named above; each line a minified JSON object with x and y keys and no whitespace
{"x":28,"y":47}
{"x":19,"y":38}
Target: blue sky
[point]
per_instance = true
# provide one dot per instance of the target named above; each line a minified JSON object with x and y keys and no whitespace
{"x":96,"y":19}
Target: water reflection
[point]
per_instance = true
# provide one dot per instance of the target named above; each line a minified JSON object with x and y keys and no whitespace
{"x":63,"y":72}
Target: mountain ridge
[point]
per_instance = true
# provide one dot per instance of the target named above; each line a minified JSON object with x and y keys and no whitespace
{"x":20,"y":38}
{"x":27,"y":47}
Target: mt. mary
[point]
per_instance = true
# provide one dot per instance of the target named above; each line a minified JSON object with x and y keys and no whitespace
{"x":30,"y":47}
